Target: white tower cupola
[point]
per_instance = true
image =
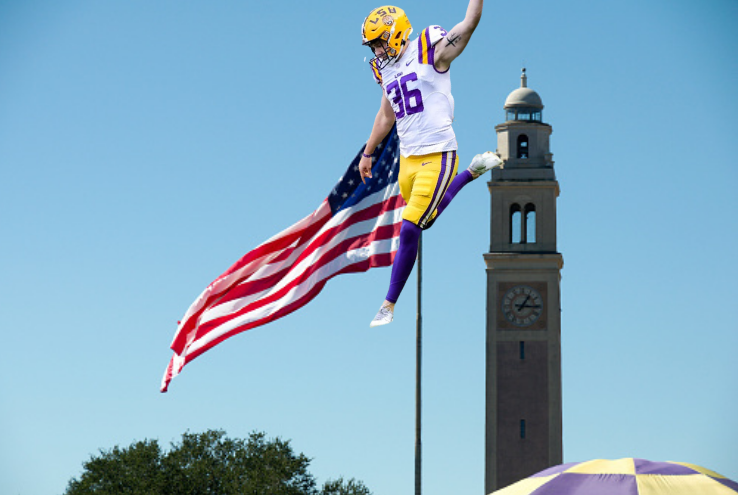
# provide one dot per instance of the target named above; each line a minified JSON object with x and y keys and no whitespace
{"x":524,"y":103}
{"x":523,"y":139}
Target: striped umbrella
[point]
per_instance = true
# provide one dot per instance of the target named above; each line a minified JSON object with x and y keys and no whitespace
{"x":623,"y":477}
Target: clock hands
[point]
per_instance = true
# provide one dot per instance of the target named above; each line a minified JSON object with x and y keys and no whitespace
{"x":525,"y":304}
{"x":522,"y":305}
{"x":529,"y":306}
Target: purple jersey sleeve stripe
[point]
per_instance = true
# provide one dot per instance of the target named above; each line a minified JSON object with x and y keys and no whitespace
{"x":430,"y":48}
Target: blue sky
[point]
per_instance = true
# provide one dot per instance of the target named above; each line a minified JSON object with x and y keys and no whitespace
{"x":145,"y":146}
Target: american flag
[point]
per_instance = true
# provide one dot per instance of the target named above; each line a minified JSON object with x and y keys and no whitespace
{"x":355,"y":228}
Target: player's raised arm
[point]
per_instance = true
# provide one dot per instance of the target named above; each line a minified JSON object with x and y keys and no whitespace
{"x":457,"y":38}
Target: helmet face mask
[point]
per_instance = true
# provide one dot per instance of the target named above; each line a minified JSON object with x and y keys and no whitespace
{"x":387,"y":28}
{"x":385,"y":56}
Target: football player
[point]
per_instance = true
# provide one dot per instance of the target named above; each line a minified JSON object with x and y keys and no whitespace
{"x":416,"y":95}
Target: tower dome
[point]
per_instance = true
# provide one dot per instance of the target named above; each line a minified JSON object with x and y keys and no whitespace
{"x":524,"y":103}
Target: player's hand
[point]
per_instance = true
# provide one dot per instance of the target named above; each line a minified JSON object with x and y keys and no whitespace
{"x":365,"y":168}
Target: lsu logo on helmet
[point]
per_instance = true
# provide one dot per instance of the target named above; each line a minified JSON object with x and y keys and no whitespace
{"x":387,"y":29}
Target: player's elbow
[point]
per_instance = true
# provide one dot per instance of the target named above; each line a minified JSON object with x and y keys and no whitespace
{"x":387,"y":124}
{"x":473,"y":16}
{"x":387,"y":119}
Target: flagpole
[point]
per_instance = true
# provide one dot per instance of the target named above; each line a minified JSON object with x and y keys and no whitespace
{"x":418,"y":368}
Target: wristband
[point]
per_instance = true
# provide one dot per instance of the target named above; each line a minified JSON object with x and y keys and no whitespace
{"x":365,"y":155}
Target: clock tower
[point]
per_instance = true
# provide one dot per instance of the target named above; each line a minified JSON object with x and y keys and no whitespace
{"x":523,"y":382}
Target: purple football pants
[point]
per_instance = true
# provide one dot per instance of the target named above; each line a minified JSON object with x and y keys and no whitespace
{"x":409,"y":236}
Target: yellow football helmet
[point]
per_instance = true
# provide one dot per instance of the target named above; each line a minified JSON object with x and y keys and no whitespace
{"x":388,"y":26}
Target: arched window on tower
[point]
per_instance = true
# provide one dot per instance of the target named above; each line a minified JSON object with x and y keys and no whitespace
{"x":516,"y":224}
{"x":530,"y":223}
{"x":523,"y":146}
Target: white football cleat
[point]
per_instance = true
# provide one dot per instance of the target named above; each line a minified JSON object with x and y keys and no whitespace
{"x":484,"y":162}
{"x":383,"y":317}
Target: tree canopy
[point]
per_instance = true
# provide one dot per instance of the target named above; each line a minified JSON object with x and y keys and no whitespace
{"x":203,"y":464}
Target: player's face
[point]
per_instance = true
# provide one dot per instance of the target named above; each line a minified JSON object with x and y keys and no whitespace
{"x":379,"y":49}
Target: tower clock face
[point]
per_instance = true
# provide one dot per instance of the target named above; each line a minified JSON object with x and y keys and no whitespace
{"x":522,"y":305}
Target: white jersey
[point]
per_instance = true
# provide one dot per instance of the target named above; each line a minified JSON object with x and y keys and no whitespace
{"x":420,"y":96}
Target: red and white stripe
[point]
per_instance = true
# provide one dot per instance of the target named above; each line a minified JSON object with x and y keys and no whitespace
{"x":289,"y":270}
